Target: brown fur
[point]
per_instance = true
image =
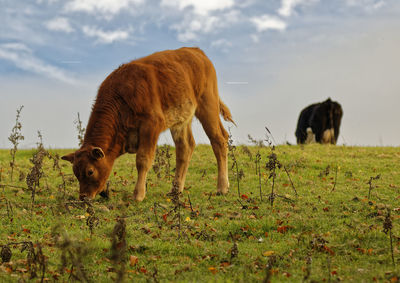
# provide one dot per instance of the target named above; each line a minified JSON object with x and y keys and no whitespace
{"x":143,"y":98}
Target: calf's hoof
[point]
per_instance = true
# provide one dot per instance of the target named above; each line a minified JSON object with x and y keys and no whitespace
{"x":223,"y":187}
{"x":222,"y":191}
{"x":138,"y":196}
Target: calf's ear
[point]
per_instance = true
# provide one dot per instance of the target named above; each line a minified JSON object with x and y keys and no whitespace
{"x":69,"y":157}
{"x":97,"y":153}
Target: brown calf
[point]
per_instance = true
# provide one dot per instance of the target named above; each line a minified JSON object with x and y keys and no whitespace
{"x":137,"y":102}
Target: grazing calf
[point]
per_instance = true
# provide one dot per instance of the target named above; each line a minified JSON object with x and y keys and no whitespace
{"x":137,"y":102}
{"x":320,"y":123}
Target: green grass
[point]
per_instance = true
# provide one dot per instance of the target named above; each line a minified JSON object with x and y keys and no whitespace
{"x":341,"y":231}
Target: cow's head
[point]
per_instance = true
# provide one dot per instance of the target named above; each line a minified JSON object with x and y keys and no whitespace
{"x":91,"y":168}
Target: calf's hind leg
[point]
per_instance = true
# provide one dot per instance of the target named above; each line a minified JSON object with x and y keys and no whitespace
{"x":184,"y":143}
{"x":209,"y":118}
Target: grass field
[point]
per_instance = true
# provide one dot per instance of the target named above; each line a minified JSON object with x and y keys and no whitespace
{"x":330,"y":231}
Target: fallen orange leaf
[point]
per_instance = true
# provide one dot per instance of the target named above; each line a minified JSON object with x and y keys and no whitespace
{"x":225,"y":264}
{"x":213,"y":270}
{"x":133,"y":260}
{"x":283,"y":229}
{"x":268,"y":253}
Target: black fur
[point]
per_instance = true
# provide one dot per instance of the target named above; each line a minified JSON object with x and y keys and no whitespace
{"x":319,"y":117}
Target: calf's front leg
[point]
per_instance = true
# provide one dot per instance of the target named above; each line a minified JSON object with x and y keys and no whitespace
{"x":144,"y":158}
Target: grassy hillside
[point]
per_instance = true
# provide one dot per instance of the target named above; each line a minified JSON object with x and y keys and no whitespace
{"x":330,"y":231}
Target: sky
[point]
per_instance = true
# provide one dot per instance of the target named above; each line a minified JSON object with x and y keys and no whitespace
{"x":273,"y":58}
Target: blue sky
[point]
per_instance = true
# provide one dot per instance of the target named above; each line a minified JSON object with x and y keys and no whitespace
{"x":272,"y":58}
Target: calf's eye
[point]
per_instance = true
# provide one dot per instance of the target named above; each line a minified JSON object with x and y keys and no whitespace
{"x":90,"y":172}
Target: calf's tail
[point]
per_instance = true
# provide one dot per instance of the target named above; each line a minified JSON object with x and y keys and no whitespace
{"x":225,"y":112}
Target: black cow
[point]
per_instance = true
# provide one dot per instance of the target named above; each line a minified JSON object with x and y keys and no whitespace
{"x":319,"y":122}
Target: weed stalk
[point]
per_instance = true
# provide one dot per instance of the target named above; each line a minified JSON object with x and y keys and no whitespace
{"x":334,"y":183}
{"x":36,"y":172}
{"x":258,"y":172}
{"x":232,"y":150}
{"x":80,"y":129}
{"x":268,"y":269}
{"x":387,"y":228}
{"x":371,"y":186}
{"x":57,"y":167}
{"x":15,"y":137}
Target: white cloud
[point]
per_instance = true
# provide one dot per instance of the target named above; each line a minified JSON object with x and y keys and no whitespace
{"x":201,"y":17}
{"x":255,"y":38}
{"x":24,"y":59}
{"x":59,"y":24}
{"x":287,"y":6}
{"x":16,"y":46}
{"x":107,"y":8}
{"x":378,"y":4}
{"x":222,"y":44}
{"x":191,"y":26}
{"x":267,"y":22}
{"x":194,"y":25}
{"x":48,"y":1}
{"x":201,"y":7}
{"x":105,"y":36}
{"x":369,"y":5}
